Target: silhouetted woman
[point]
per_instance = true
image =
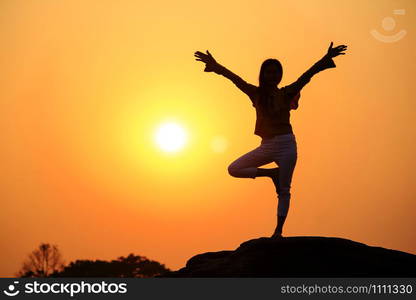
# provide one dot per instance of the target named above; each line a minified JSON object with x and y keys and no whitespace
{"x":273,"y":107}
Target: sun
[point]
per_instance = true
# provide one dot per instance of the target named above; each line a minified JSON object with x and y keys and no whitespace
{"x":171,"y":137}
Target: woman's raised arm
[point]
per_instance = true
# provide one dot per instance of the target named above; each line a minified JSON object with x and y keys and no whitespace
{"x":324,"y":63}
{"x":211,"y":65}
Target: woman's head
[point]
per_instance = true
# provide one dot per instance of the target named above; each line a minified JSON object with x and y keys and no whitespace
{"x":271,"y":72}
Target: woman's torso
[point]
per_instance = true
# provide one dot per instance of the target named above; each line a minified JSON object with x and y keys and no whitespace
{"x":273,"y":117}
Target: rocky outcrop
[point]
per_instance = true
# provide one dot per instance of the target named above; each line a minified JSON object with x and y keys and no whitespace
{"x":300,"y":256}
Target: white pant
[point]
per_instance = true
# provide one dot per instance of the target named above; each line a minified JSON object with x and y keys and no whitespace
{"x":281,"y":149}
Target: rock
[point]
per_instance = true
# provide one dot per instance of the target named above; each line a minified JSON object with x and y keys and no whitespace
{"x":300,"y":256}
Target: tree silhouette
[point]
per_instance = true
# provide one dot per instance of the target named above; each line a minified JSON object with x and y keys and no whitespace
{"x":41,"y":262}
{"x":130,"y":266}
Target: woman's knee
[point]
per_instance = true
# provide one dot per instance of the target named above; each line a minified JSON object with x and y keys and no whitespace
{"x":233,"y":170}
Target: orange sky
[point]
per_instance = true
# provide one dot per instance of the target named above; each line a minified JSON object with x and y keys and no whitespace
{"x":85,"y":84}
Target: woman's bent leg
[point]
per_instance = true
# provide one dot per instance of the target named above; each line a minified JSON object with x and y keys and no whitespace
{"x":246,"y":165}
{"x":267,"y":172}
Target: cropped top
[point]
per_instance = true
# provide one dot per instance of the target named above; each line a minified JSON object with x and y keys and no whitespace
{"x":275,"y":119}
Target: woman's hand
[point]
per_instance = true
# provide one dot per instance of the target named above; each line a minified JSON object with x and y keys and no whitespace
{"x":211,"y":64}
{"x":332,"y":52}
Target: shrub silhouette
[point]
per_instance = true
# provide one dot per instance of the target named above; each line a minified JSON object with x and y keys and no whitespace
{"x":130,"y":266}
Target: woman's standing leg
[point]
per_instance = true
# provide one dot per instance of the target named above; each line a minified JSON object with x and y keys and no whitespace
{"x":286,"y":158}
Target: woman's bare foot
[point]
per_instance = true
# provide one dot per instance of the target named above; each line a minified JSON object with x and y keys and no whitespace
{"x":276,"y":235}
